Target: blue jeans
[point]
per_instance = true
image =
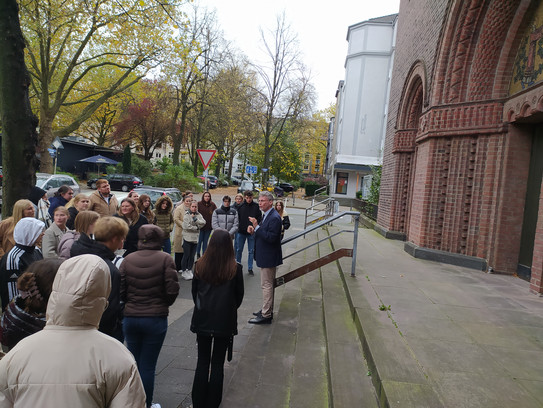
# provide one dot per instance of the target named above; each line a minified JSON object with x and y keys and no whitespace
{"x":167,"y":246}
{"x":240,"y":243}
{"x":144,"y":337}
{"x":202,"y":241}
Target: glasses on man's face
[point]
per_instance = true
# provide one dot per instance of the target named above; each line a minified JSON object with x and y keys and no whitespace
{"x":263,"y":200}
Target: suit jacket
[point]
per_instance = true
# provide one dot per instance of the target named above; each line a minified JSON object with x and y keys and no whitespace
{"x":268,"y":252}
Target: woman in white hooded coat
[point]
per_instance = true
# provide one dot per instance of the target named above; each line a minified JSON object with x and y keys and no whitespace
{"x":70,"y":363}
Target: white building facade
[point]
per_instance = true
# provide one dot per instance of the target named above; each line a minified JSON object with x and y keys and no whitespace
{"x":359,"y":129}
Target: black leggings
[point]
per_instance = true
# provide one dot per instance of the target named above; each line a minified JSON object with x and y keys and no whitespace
{"x":207,"y":388}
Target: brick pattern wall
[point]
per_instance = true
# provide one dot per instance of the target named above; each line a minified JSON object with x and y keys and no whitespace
{"x":462,"y":188}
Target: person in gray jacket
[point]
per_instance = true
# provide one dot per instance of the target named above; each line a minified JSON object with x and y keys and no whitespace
{"x":225,"y":218}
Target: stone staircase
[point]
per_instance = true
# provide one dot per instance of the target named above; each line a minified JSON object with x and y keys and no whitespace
{"x":311,"y":356}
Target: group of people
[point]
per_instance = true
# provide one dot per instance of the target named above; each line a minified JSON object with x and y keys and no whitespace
{"x":69,"y":275}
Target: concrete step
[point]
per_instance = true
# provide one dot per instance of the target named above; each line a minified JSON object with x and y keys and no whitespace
{"x":350,"y":378}
{"x":311,"y":356}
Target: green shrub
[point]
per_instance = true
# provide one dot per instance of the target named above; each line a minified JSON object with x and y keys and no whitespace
{"x":359,"y":195}
{"x":179,"y":177}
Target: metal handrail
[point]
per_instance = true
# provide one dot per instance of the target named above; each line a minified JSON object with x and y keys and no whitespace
{"x":354,"y":214}
{"x":319,"y":193}
{"x":328,"y":210}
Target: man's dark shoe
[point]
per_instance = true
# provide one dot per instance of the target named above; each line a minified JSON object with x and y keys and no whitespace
{"x":251,"y":272}
{"x":259,"y":313}
{"x":261,"y":320}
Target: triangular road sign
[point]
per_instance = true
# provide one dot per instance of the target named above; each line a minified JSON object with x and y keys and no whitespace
{"x":206,"y":156}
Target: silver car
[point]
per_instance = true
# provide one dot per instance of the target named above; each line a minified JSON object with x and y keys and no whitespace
{"x":52,"y":182}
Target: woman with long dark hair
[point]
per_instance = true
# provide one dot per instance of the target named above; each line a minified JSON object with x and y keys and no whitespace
{"x":217,"y":291}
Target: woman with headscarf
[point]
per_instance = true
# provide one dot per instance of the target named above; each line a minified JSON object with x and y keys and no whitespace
{"x":28,"y":234}
{"x":21,"y":209}
{"x":80,"y":202}
{"x":25,"y":314}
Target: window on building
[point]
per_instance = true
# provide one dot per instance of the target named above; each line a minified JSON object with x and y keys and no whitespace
{"x":341,"y":183}
{"x":240,"y":166}
{"x":170,"y":155}
{"x":317,"y":168}
{"x":306,"y":167}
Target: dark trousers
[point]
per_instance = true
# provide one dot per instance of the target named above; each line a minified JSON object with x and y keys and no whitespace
{"x":144,"y":338}
{"x":207,"y":386}
{"x":202,"y":241}
{"x":189,"y":250}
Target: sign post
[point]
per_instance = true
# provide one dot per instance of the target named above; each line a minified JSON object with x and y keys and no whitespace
{"x":205,"y":157}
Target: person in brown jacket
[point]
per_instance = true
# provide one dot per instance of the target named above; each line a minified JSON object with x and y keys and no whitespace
{"x":102,"y":201}
{"x":149,"y":285}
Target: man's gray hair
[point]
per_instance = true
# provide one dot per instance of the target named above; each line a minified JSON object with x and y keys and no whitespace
{"x":267,"y":195}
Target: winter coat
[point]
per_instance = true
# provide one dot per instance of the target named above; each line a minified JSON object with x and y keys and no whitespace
{"x":16,"y":324}
{"x":164,"y":219}
{"x":42,"y":213}
{"x":110,"y":323}
{"x":19,"y":258}
{"x":51,"y":239}
{"x":245,"y":211}
{"x":70,"y":363}
{"x":225,"y":218}
{"x":192,"y":223}
{"x":131,"y":240}
{"x":149,"y":283}
{"x":101,"y":206}
{"x":54,"y":202}
{"x":65,"y":244}
{"x":178,"y":216}
{"x":216,"y":307}
{"x":207,"y":209}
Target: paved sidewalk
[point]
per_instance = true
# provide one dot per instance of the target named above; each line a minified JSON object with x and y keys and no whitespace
{"x":448,"y":336}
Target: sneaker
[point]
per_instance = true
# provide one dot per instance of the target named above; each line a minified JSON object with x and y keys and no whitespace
{"x":251,"y":272}
{"x":155,"y":405}
{"x":186,"y":274}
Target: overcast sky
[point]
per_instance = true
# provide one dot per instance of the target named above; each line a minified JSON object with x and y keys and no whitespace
{"x":321,"y":27}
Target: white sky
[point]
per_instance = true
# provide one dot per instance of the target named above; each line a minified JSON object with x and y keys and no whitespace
{"x":321,"y":27}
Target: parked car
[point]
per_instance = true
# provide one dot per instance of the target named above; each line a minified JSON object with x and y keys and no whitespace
{"x":248,"y":185}
{"x":52,"y":182}
{"x":122,"y":182}
{"x":286,"y":187}
{"x":212,"y":181}
{"x":156,"y":192}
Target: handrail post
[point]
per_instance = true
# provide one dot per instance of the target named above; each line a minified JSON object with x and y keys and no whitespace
{"x":355,"y":244}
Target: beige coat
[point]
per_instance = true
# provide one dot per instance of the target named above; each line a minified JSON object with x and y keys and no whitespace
{"x":178,"y":216}
{"x":98,"y":204}
{"x":70,"y":363}
{"x":191,"y":226}
{"x":51,"y":239}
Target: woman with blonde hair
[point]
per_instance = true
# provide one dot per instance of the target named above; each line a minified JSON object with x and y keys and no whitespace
{"x":129,"y":212}
{"x":54,"y":233}
{"x":80,"y":202}
{"x":84,"y":224}
{"x":21,"y":209}
{"x":144,"y":207}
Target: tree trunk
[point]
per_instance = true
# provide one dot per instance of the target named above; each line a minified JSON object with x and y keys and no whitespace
{"x":19,"y":139}
{"x":46,"y":137}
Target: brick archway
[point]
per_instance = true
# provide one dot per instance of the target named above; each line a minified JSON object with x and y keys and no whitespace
{"x":405,"y":146}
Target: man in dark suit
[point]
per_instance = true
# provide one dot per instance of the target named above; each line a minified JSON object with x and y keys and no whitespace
{"x":268,"y":253}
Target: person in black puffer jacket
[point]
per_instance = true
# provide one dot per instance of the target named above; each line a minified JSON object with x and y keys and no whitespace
{"x":25,"y":314}
{"x":217,"y":291}
{"x":109,"y":234}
